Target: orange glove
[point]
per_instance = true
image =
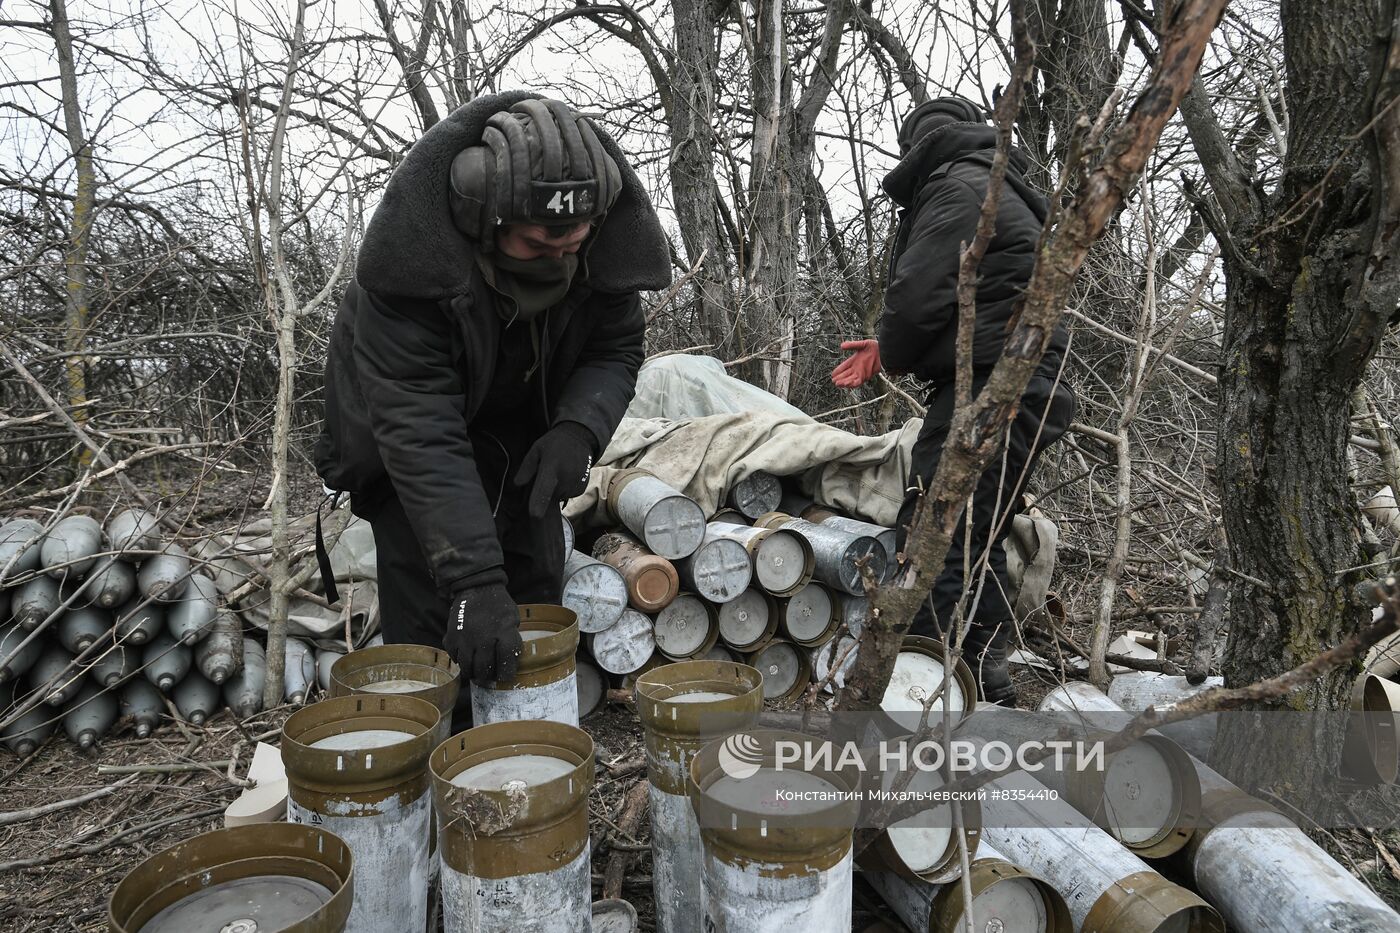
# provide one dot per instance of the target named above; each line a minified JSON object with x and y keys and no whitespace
{"x":858,"y":368}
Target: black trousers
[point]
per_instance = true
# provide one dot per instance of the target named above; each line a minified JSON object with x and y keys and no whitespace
{"x":411,"y":608}
{"x":1045,"y":413}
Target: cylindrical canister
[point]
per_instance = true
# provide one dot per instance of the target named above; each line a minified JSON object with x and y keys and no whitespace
{"x":854,"y":611}
{"x":777,"y":846}
{"x":686,"y":628}
{"x":667,"y":521}
{"x":405,"y":670}
{"x":569,"y":535}
{"x":1135,"y":691}
{"x":652,"y":581}
{"x":133,"y":532}
{"x":545,"y":686}
{"x":69,"y":550}
{"x":919,"y":672}
{"x":1108,"y":889}
{"x":196,"y":698}
{"x":832,"y":661}
{"x":1005,"y":899}
{"x":55,"y":673}
{"x":786,"y":669}
{"x":783,"y":562}
{"x":1146,"y":795}
{"x":512,"y":805}
{"x":885,"y":536}
{"x":626,"y":646}
{"x":299,"y":675}
{"x":718,"y":571}
{"x":325,"y":660}
{"x":746,"y":623}
{"x":808,"y":617}
{"x":683,"y":707}
{"x":926,"y":846}
{"x":755,"y":494}
{"x":30,"y":730}
{"x":1258,"y":869}
{"x":261,"y":877}
{"x":838,"y":553}
{"x":592,"y":686}
{"x":595,"y":592}
{"x":358,"y":767}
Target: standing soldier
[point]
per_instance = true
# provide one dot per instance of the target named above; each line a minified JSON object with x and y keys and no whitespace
{"x":946,"y":150}
{"x":481,"y":361}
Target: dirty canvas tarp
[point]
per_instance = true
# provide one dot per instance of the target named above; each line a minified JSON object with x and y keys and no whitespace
{"x":352,"y":560}
{"x":701,"y":431}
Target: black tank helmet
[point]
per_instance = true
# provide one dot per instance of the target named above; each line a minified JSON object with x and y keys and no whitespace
{"x":539,"y":162}
{"x":935,"y":114}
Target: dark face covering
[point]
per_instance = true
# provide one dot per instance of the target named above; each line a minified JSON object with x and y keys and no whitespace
{"x":534,"y":285}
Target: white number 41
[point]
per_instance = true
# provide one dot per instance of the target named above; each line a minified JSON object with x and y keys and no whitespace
{"x":561,"y":201}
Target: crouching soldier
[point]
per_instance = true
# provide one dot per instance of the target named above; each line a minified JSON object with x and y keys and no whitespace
{"x":946,"y":148}
{"x":481,"y":360}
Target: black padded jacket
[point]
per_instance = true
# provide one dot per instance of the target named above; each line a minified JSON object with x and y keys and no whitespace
{"x":941,"y":184}
{"x":415,"y":343}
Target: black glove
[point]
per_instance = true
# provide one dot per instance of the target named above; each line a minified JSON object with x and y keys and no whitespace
{"x":558,"y":465}
{"x":483,"y":634}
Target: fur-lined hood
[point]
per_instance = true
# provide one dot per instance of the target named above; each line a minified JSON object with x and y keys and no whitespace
{"x":412,"y":248}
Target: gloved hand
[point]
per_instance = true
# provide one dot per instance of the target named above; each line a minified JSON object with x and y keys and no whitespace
{"x":858,"y":368}
{"x":558,"y":465}
{"x":483,"y":634}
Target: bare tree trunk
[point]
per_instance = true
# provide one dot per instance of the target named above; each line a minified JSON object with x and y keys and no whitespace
{"x":75,"y":257}
{"x":691,"y":116}
{"x":1311,"y":288}
{"x":283,"y":309}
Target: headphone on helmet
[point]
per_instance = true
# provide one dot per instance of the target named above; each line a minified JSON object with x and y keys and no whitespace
{"x":539,"y":162}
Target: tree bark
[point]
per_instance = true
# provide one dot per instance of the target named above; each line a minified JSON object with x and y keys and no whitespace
{"x":1311,"y":287}
{"x":694,"y":192}
{"x":75,"y":257}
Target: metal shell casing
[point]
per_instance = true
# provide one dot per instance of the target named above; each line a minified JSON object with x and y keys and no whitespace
{"x":231,"y":856}
{"x":718,"y":571}
{"x":685,"y":629}
{"x":838,"y":553}
{"x":652,"y":581}
{"x":373,"y":794}
{"x":782,"y":561}
{"x":808,"y":617}
{"x":544,"y":686}
{"x":402,"y":670}
{"x":755,"y":494}
{"x":515,"y":857}
{"x":670,"y":523}
{"x":747,"y":623}
{"x":674,"y":731}
{"x":625,"y":647}
{"x":786,"y":670}
{"x":595,"y":591}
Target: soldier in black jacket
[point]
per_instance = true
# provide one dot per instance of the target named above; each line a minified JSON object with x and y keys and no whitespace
{"x":946,"y":148}
{"x":480,"y":362}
